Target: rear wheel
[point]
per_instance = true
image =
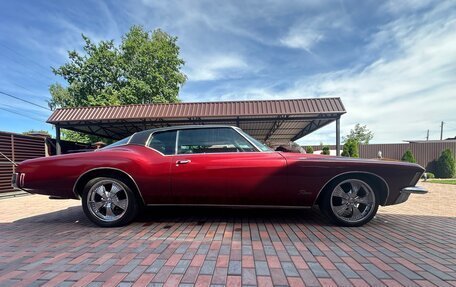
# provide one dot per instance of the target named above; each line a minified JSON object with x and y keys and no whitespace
{"x":109,"y":202}
{"x":350,"y":202}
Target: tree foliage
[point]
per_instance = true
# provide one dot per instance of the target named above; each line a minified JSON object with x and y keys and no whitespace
{"x":359,"y":133}
{"x":350,"y":148}
{"x":326,"y":150}
{"x":309,"y":149}
{"x":445,"y":166}
{"x":408,"y":157}
{"x":144,"y":68}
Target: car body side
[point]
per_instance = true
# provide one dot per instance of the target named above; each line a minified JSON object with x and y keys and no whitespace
{"x":285,"y":179}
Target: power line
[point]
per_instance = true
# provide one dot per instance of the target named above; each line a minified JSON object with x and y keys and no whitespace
{"x":27,"y":89}
{"x":25,"y":57}
{"x":20,"y":114}
{"x":20,"y":99}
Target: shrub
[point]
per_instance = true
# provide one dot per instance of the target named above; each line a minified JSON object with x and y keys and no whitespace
{"x":430,"y":175}
{"x":325,"y":150}
{"x":408,"y":157}
{"x":309,"y":149}
{"x":350,"y":148}
{"x":445,"y":166}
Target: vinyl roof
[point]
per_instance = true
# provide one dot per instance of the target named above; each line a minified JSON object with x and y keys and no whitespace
{"x":277,"y":121}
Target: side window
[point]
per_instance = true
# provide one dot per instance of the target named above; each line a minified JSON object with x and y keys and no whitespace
{"x":212,"y":140}
{"x":164,"y":142}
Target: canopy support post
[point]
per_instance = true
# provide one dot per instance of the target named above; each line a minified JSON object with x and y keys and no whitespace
{"x":338,"y":136}
{"x":58,"y":148}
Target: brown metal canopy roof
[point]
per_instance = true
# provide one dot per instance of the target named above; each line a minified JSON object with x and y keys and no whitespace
{"x":277,"y":121}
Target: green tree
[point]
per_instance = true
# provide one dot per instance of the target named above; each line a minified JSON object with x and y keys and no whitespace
{"x":359,"y":133}
{"x":144,"y":68}
{"x":309,"y":149}
{"x":408,"y":157}
{"x":326,"y":150}
{"x":42,"y":132}
{"x":350,"y":148}
{"x":445,"y":166}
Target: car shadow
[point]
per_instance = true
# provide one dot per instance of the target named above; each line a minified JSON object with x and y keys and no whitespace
{"x":229,"y":214}
{"x":73,"y":217}
{"x":185,"y":214}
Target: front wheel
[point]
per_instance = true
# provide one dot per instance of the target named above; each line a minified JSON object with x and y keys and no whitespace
{"x":349,"y":202}
{"x":109,"y":202}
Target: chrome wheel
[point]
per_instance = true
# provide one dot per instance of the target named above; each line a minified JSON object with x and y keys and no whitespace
{"x":107,"y":200}
{"x":352,"y":200}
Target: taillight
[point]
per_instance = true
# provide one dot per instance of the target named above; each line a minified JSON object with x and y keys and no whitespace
{"x":21,"y":180}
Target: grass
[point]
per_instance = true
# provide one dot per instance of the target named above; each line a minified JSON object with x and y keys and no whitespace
{"x":443,"y":181}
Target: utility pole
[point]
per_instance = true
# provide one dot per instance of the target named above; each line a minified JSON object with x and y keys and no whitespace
{"x":427,"y":135}
{"x":441,"y":130}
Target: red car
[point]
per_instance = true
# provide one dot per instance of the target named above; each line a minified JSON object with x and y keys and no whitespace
{"x":215,"y":165}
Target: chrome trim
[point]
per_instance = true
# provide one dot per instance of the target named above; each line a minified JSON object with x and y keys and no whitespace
{"x":196,"y":127}
{"x":149,"y":139}
{"x":231,"y":205}
{"x":209,"y":153}
{"x":414,"y":190}
{"x":254,"y":145}
{"x":21,"y":180}
{"x":182,"y":161}
{"x":177,"y":142}
{"x":129,"y":140}
{"x":356,"y":172}
{"x":112,"y":168}
{"x":108,"y":146}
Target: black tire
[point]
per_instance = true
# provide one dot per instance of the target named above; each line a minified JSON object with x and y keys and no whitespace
{"x":124,"y":217}
{"x":327,"y":202}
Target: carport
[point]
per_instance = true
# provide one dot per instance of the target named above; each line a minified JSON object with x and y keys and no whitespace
{"x":273,"y":121}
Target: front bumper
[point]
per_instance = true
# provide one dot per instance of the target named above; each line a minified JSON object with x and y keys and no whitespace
{"x":414,"y":189}
{"x":406,"y":191}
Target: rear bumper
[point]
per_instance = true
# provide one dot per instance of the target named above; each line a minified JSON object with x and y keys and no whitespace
{"x":406,"y":191}
{"x":14,"y":180}
{"x":17,"y":180}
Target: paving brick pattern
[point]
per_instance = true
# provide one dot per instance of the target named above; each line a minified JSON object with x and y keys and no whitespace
{"x":50,"y":243}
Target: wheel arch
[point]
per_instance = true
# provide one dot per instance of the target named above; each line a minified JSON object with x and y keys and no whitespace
{"x":378,"y":182}
{"x":116,"y":173}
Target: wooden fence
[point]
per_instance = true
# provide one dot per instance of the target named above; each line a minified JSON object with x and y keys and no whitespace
{"x":18,"y":148}
{"x":425,"y":152}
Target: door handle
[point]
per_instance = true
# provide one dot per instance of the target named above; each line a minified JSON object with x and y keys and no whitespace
{"x":182,"y":161}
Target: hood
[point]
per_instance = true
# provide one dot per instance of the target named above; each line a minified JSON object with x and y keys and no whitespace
{"x":303,"y":156}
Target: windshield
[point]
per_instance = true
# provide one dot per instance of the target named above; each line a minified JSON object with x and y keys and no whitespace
{"x":118,"y":143}
{"x":256,"y":142}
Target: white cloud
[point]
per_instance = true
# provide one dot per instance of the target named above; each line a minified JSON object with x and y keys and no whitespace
{"x":402,"y":6}
{"x":409,"y":89}
{"x":305,"y":39}
{"x":213,"y":67}
{"x":406,"y":90}
{"x":309,"y":31}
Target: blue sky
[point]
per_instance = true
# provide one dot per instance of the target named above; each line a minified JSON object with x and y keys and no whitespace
{"x":393,"y":63}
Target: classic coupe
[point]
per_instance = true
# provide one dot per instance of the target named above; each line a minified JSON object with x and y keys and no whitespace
{"x":215,"y":165}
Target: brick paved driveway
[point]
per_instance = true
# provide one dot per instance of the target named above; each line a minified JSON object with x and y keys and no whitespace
{"x":44,"y":242}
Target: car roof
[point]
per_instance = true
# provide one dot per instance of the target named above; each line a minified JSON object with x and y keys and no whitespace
{"x":188,"y":127}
